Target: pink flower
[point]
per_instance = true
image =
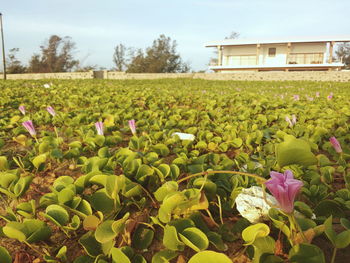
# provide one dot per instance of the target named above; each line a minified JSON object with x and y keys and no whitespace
{"x":289,"y":121}
{"x":29,"y":127}
{"x":294,"y":119}
{"x":330,"y":96}
{"x":336,"y":145}
{"x":22,"y":109}
{"x":296,"y":97}
{"x":99,"y":127}
{"x":284,"y":188}
{"x":51,"y":111}
{"x":317,"y":94}
{"x":132,"y":126}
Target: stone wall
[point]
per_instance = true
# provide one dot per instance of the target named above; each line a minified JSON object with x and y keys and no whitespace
{"x":60,"y":75}
{"x":340,"y":76}
{"x":123,"y":75}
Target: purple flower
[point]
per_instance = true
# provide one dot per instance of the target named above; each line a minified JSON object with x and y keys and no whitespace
{"x":132,"y":126}
{"x":330,"y":96}
{"x":22,"y":109}
{"x":296,"y":97}
{"x":284,"y":188}
{"x":336,"y":144}
{"x":51,"y":111}
{"x":99,"y":127}
{"x":29,"y":127}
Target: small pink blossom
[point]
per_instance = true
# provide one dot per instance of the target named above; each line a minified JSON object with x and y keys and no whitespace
{"x":51,"y":111}
{"x":99,"y":127}
{"x":317,"y":94}
{"x":132,"y":126}
{"x":296,"y":97}
{"x":22,"y":109}
{"x":284,"y":188}
{"x":294,"y":119}
{"x":330,"y":96}
{"x":29,"y":127}
{"x":336,"y":145}
{"x":289,"y":121}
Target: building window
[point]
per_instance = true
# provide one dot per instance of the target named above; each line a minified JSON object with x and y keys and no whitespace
{"x":243,"y":60}
{"x":305,"y":58}
{"x":272,"y":52}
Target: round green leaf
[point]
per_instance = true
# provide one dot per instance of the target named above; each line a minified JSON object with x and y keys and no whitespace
{"x":165,"y":189}
{"x":38,"y":160}
{"x":209,"y":256}
{"x":164,"y":256}
{"x":294,"y":151}
{"x":327,"y":208}
{"x":194,"y":238}
{"x":65,"y":196}
{"x":118,"y":256}
{"x":171,"y":240}
{"x":91,"y":222}
{"x":15,"y":230}
{"x":5,"y":256}
{"x":104,"y":232}
{"x":142,"y":238}
{"x":100,"y":201}
{"x":306,"y":253}
{"x":251,"y":233}
{"x":57,"y":214}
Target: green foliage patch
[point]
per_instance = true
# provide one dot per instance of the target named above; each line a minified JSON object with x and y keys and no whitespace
{"x":152,"y":196}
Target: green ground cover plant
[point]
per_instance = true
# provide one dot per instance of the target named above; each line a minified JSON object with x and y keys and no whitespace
{"x":92,"y":171}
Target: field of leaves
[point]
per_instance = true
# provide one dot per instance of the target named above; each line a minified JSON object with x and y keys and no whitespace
{"x":210,"y":171}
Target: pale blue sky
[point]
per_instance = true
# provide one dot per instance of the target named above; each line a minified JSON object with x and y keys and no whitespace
{"x":98,"y":26}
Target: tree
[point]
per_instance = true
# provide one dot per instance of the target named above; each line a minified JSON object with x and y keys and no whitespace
{"x":161,"y":57}
{"x":119,"y":57}
{"x":343,"y":53}
{"x":137,"y":62}
{"x":56,"y":56}
{"x":13,"y":65}
{"x":233,"y":35}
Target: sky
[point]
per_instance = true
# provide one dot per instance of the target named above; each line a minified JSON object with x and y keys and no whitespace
{"x":98,"y":26}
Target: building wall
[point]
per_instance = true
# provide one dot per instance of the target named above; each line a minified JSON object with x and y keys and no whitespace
{"x":281,"y":52}
{"x":279,"y":59}
{"x":308,"y":48}
{"x":341,"y":76}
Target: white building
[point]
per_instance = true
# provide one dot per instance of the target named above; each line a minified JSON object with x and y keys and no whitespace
{"x":267,"y":55}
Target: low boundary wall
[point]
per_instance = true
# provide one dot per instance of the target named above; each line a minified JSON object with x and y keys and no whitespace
{"x":339,"y":76}
{"x":60,"y":75}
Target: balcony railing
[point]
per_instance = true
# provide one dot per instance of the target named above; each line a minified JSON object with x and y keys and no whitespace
{"x":305,"y":58}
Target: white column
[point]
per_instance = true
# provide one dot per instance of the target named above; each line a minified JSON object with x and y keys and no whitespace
{"x":219,"y":55}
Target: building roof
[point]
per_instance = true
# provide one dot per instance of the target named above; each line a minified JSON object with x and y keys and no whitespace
{"x":242,"y":41}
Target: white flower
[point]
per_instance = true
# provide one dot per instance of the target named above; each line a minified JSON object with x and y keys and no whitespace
{"x":184,"y":136}
{"x":251,"y":205}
